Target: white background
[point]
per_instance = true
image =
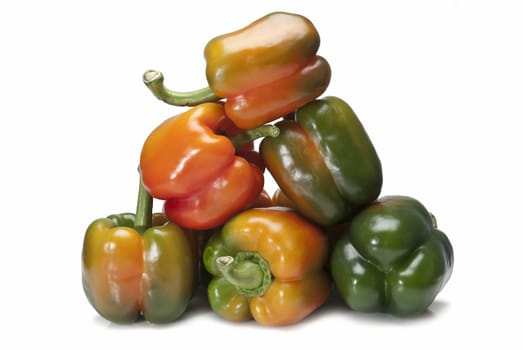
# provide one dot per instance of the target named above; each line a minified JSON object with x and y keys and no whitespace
{"x":437,"y":84}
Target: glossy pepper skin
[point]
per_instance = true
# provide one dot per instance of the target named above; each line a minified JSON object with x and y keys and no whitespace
{"x":392,"y":259}
{"x":127,"y":275}
{"x":277,"y":271}
{"x":196,"y":171}
{"x":324,"y":161}
{"x":267,"y":69}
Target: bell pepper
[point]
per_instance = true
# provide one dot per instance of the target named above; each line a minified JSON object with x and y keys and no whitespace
{"x":324,"y":161}
{"x":196,"y":171}
{"x":392,"y":258}
{"x":139,"y":266}
{"x":267,"y":69}
{"x":264,"y":70}
{"x":268,"y":264}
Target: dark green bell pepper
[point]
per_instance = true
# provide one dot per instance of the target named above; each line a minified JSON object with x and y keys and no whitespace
{"x":324,"y":161}
{"x":392,"y":258}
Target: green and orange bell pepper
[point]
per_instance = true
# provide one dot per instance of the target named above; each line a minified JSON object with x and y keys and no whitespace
{"x":197,"y":171}
{"x":267,"y":69}
{"x":268,"y":264}
{"x":139,"y":266}
{"x":324,"y":161}
{"x":264,"y":71}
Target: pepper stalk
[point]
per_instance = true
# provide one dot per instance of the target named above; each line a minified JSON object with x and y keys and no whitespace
{"x":154,"y":80}
{"x":243,"y":138}
{"x":144,"y":207}
{"x":142,"y":218}
{"x":247,"y":271}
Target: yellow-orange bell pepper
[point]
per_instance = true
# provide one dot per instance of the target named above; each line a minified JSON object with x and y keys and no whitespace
{"x":268,"y":264}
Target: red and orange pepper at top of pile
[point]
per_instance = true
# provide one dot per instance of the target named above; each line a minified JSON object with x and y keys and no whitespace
{"x":260,"y":257}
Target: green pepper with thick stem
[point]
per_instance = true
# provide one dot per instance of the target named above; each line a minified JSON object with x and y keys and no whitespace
{"x":324,"y":161}
{"x":392,"y":259}
{"x":139,"y":266}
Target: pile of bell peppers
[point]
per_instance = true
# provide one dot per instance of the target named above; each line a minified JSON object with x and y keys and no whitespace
{"x":325,"y":232}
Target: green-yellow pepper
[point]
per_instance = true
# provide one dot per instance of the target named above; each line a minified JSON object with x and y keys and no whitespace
{"x":131,"y":269}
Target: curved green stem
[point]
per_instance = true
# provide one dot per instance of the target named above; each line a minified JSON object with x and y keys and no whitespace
{"x":250,"y":135}
{"x":247,"y":271}
{"x":154,"y":81}
{"x":144,"y":209}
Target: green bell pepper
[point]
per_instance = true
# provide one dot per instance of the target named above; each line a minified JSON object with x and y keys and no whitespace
{"x":324,"y":161}
{"x":392,"y":258}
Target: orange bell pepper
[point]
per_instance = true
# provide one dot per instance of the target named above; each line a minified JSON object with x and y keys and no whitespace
{"x":268,"y":264}
{"x":196,"y":171}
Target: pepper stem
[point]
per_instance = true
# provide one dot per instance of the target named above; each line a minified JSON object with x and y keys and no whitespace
{"x":266,"y":130}
{"x":247,"y":271}
{"x":434,"y":221}
{"x":144,"y":209}
{"x":154,"y":81}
